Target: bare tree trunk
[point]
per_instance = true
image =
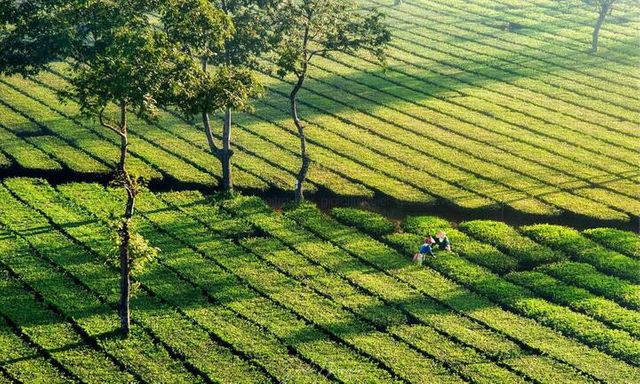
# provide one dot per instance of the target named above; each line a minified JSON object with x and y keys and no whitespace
{"x":596,"y":32}
{"x":124,"y":139}
{"x":605,"y":8}
{"x":206,"y":122}
{"x":304,"y":168}
{"x":125,"y":265}
{"x":124,"y":230}
{"x":226,"y":153}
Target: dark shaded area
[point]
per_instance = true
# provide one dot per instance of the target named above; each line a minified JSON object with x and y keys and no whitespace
{"x":389,"y":206}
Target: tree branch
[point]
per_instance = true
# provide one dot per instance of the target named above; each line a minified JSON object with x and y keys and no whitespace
{"x":105,"y":124}
{"x":319,"y":52}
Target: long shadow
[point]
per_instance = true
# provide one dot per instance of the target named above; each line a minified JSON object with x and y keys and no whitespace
{"x":577,"y":46}
{"x":486,"y":142}
{"x":370,"y":314}
{"x":367,"y":105}
{"x":477,"y":174}
{"x":536,"y":64}
{"x":469,"y":300}
{"x":472,"y":79}
{"x":177,"y":153}
{"x":491,"y":38}
{"x":389,"y":206}
{"x":559,"y":10}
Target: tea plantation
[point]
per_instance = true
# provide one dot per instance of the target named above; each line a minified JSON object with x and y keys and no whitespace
{"x":483,"y":105}
{"x":240,"y":293}
{"x":484,"y":109}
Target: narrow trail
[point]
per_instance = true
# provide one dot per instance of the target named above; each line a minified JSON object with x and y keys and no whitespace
{"x":389,"y":206}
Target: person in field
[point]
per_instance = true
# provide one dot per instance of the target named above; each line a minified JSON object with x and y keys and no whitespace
{"x":442,"y":241}
{"x":425,"y":249}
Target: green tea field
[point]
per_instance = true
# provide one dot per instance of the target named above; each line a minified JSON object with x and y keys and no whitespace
{"x":466,"y":114}
{"x":241,"y":294}
{"x":154,"y":155}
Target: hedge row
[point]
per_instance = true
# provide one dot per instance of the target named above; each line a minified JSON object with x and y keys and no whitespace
{"x":354,"y":152}
{"x":232,"y":291}
{"x":366,"y":221}
{"x":64,"y":339}
{"x":591,"y":332}
{"x":95,"y":141}
{"x":397,"y":356}
{"x":308,"y":269}
{"x":588,"y":277}
{"x":476,"y":251}
{"x":588,"y":95}
{"x":568,"y":166}
{"x":561,"y":53}
{"x":548,"y":287}
{"x":21,"y":361}
{"x":246,"y":339}
{"x":582,"y":249}
{"x":229,"y":258}
{"x":543,"y":174}
{"x":563,"y":165}
{"x":75,"y":158}
{"x":399,"y":134}
{"x":625,"y":242}
{"x":506,"y":238}
{"x":56,"y":335}
{"x":425,"y":280}
{"x":480,"y":97}
{"x":433,"y":314}
{"x":579,"y":299}
{"x":162,"y":334}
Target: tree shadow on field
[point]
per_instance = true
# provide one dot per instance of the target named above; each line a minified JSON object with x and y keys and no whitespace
{"x":340,"y":92}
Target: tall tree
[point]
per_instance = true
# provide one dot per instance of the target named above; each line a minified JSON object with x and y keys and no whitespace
{"x":118,"y":59}
{"x":319,"y":28}
{"x":133,"y":71}
{"x":228,"y":36}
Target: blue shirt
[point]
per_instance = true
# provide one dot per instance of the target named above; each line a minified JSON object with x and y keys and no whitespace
{"x":425,"y":248}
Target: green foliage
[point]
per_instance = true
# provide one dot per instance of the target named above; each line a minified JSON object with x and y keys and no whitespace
{"x":588,"y":277}
{"x":366,"y":221}
{"x":137,"y":68}
{"x":528,"y":253}
{"x":425,"y":225}
{"x":278,"y":293}
{"x":501,"y":291}
{"x":510,"y":116}
{"x":320,"y":27}
{"x":624,"y":242}
{"x":579,"y":299}
{"x":216,"y":39}
{"x":582,"y":249}
{"x":210,"y":91}
{"x":198,"y":26}
{"x":44,"y":31}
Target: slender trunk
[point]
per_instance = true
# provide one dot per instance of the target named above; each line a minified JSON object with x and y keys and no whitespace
{"x":206,"y":122}
{"x":124,"y":230}
{"x":125,"y":266}
{"x":207,"y":130}
{"x":596,"y":30}
{"x":304,"y":167}
{"x":124,"y":139}
{"x":226,"y":153}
